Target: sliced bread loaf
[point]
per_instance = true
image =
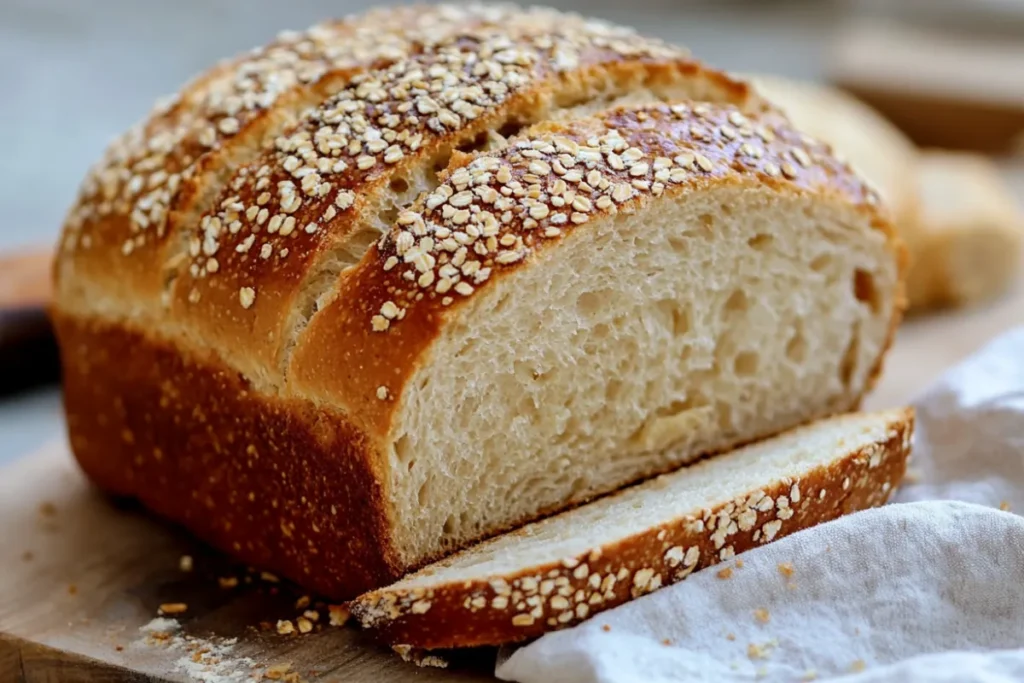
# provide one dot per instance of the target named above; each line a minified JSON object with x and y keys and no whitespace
{"x":409,"y":280}
{"x":564,"y":569}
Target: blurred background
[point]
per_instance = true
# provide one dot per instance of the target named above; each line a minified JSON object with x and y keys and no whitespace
{"x":949,"y":73}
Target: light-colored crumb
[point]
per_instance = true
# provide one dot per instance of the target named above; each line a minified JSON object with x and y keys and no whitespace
{"x":762,"y":616}
{"x":858,"y":666}
{"x":786,"y":569}
{"x":724,"y":573}
{"x":173,"y":608}
{"x":285,"y":627}
{"x":339,"y":614}
{"x":185,"y":563}
{"x":1004,"y":506}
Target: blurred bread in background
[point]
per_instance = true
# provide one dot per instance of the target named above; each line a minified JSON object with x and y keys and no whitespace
{"x":971,"y":230}
{"x":954,"y":211}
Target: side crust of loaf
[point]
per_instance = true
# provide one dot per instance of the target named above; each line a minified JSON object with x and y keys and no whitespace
{"x":539,"y":599}
{"x":274,"y":482}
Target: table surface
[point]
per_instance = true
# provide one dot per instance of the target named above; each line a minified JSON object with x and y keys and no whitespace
{"x":77,"y":73}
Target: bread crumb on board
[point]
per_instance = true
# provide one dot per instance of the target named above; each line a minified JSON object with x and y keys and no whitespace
{"x":173,"y":608}
{"x":762,"y":616}
{"x":339,"y":614}
{"x":1004,"y":505}
{"x":786,"y":569}
{"x":420,"y":657}
{"x":724,"y":573}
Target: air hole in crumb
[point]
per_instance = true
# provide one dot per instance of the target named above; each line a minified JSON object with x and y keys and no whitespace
{"x":590,"y":303}
{"x":760,"y":242}
{"x":849,"y":363}
{"x":707,"y":225}
{"x":725,"y":209}
{"x":612,"y":390}
{"x":737,"y":303}
{"x":821,"y":263}
{"x":864,"y":289}
{"x":745,"y":363}
{"x":796,"y":347}
{"x":723,"y":411}
{"x":579,"y":485}
{"x":403,"y":450}
{"x":423,"y":495}
{"x":449,"y":525}
{"x":399,"y":185}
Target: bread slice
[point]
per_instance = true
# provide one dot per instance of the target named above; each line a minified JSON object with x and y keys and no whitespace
{"x":564,"y":569}
{"x":971,"y":229}
{"x":406,"y":281}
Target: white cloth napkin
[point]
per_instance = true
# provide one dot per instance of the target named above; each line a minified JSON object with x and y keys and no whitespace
{"x":930,"y":588}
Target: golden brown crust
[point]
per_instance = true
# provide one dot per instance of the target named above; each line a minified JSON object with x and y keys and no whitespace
{"x":503,"y":609}
{"x":278,"y":484}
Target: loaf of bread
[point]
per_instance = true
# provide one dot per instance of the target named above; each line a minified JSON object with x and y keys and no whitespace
{"x":875,"y":148}
{"x":953,"y":211}
{"x":564,"y":569}
{"x":404,"y":281}
{"x":971,"y":230}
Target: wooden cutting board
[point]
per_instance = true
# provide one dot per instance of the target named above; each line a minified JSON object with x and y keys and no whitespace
{"x":80,"y":575}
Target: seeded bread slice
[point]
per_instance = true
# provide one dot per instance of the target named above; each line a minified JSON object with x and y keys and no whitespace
{"x":562,"y":570}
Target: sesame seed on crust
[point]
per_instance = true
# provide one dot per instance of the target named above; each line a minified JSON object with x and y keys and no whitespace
{"x":503,"y":206}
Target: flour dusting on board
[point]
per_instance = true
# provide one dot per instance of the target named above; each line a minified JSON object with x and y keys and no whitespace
{"x":208,"y":660}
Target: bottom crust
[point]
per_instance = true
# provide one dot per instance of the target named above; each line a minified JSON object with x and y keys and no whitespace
{"x":277,"y":483}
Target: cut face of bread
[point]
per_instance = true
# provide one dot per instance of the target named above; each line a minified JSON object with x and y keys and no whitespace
{"x":558,"y":572}
{"x":681,"y":329}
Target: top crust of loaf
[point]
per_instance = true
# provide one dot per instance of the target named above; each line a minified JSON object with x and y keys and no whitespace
{"x":215,"y":218}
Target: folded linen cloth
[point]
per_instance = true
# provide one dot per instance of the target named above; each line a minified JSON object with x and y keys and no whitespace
{"x":927,"y":589}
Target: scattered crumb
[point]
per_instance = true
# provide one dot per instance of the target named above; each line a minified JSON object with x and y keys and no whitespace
{"x":739,"y":564}
{"x":303,"y":602}
{"x":724,"y":573}
{"x":762,"y":615}
{"x":858,"y":666}
{"x":312,"y":615}
{"x":730,"y":636}
{"x":786,"y":569}
{"x":72,"y":589}
{"x":173,"y":608}
{"x":119,"y":648}
{"x":606,"y":627}
{"x":161,"y":625}
{"x":285,"y":627}
{"x":304,"y":624}
{"x":666,"y":641}
{"x":1004,"y":506}
{"x":419,"y":657}
{"x":48,"y":509}
{"x":185,"y":563}
{"x":756,"y":651}
{"x":339,"y":614}
{"x":277,"y":672}
{"x":228,"y":581}
{"x":27,"y":556}
{"x":268,"y":577}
